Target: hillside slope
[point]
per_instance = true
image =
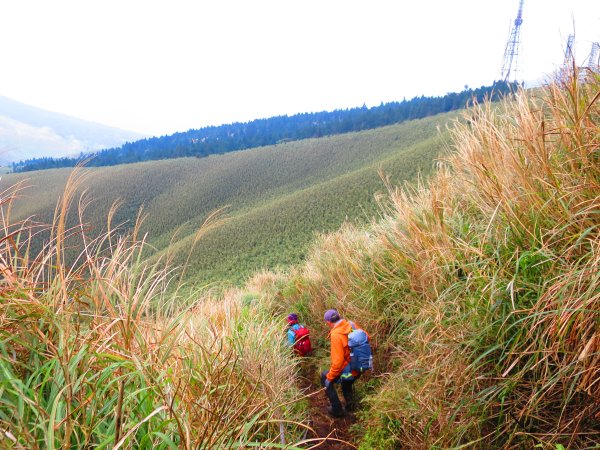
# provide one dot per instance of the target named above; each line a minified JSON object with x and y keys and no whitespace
{"x":480,"y":289}
{"x":277,"y":196}
{"x":270,"y":131}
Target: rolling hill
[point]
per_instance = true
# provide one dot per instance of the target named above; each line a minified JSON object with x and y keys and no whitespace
{"x":226,"y":138}
{"x":277,"y":197}
{"x":28,"y":132}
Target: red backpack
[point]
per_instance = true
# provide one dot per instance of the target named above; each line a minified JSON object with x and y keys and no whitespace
{"x":302,"y":346}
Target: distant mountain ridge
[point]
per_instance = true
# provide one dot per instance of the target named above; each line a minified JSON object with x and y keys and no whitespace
{"x":274,"y":130}
{"x":28,"y":132}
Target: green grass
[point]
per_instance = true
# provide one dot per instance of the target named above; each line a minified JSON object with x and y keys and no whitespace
{"x":276,"y":197}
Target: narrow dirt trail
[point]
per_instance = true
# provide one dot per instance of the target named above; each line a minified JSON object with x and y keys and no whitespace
{"x":336,"y":430}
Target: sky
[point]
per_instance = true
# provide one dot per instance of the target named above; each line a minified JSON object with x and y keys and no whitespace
{"x":159,"y":67}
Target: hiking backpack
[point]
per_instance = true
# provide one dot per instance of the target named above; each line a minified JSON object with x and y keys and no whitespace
{"x":361,"y":356}
{"x":302,"y":345}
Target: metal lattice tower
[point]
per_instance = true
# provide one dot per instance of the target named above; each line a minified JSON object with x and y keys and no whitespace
{"x":593,"y":60}
{"x":569,"y":55}
{"x":511,"y":53}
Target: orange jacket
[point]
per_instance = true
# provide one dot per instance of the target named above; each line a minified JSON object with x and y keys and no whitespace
{"x":340,"y":352}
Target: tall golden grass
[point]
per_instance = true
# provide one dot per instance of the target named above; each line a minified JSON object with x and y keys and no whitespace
{"x":481,"y":287}
{"x":96,"y":355}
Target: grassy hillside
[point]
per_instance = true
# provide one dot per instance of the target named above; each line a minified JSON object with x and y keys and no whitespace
{"x":106,"y":355}
{"x":481,"y":289}
{"x":262,"y":132}
{"x":99,"y":357}
{"x":277,"y":197}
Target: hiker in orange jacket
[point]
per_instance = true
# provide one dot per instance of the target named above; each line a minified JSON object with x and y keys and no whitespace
{"x":339,"y":371}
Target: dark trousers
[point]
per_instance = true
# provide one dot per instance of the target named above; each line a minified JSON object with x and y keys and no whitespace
{"x":347,"y":391}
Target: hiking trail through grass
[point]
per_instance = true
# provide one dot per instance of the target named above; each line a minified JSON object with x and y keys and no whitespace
{"x":335,"y":431}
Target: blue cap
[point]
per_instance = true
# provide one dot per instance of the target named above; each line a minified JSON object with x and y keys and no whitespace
{"x":331,"y":315}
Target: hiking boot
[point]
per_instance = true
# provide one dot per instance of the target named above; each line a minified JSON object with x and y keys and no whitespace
{"x":350,"y":407}
{"x":335,"y":412}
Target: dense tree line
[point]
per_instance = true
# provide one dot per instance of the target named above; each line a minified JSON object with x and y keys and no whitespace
{"x":237,"y":136}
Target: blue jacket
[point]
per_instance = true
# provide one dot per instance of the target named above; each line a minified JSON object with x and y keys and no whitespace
{"x":291,"y":335}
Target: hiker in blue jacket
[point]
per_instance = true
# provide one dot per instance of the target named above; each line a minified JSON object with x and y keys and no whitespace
{"x":298,"y":336}
{"x":292,"y":320}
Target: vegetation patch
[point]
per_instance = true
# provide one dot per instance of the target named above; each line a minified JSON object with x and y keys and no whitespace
{"x":97,"y":356}
{"x":275,"y":198}
{"x":481,"y":287}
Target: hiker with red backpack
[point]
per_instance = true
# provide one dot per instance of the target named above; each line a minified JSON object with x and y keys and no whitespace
{"x":298,"y":336}
{"x":351,"y":356}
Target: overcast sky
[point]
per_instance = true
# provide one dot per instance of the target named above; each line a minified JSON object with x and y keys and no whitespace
{"x":159,"y":67}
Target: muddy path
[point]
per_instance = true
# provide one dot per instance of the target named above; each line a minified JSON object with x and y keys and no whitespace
{"x":335,"y":431}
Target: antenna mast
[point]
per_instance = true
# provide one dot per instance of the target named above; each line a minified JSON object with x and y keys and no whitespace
{"x":511,"y":53}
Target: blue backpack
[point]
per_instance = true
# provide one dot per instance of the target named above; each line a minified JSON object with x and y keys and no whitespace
{"x":361,"y":356}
